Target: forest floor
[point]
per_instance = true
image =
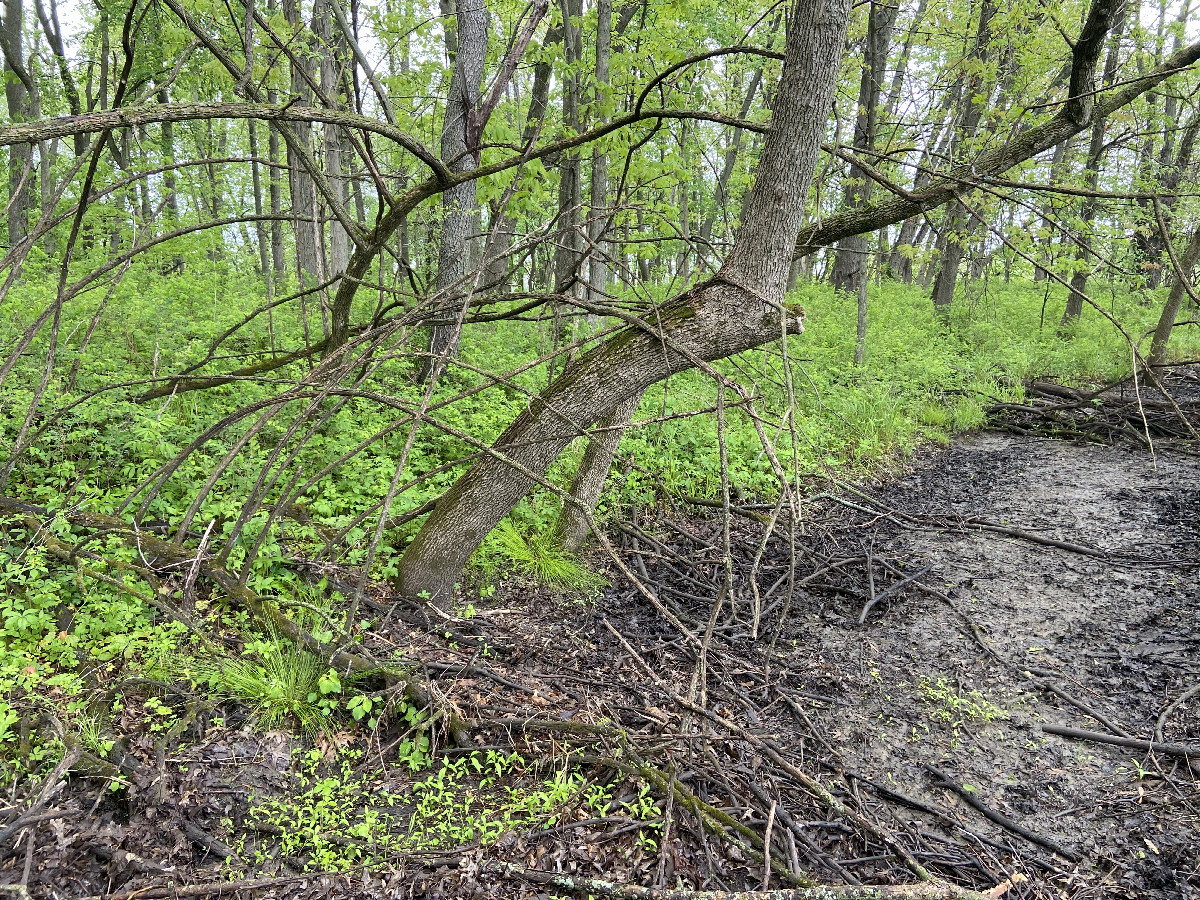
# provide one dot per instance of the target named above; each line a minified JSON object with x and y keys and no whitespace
{"x":1019,"y":583}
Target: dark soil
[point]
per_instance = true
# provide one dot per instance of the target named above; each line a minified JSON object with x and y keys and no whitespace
{"x":951,"y":671}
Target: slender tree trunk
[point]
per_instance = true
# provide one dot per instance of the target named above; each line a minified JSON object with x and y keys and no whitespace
{"x":570,"y":165}
{"x":458,"y":203}
{"x":957,"y":233}
{"x":573,"y":527}
{"x":260,"y":229}
{"x":1162,"y":334}
{"x":850,"y":265}
{"x":1079,"y":279}
{"x":721,"y":193}
{"x":333,"y":48}
{"x":598,"y":189}
{"x":21,"y":175}
{"x":501,"y":233}
{"x":740,"y":308}
{"x":893,"y":100}
{"x":303,"y":190}
{"x":1057,"y":164}
{"x":900,"y":259}
{"x":683,"y":260}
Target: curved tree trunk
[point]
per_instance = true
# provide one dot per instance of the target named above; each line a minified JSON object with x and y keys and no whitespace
{"x":740,"y":308}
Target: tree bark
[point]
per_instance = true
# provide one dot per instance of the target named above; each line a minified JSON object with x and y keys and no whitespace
{"x":573,"y":527}
{"x":1087,"y":213}
{"x":458,"y":202}
{"x":850,"y":265}
{"x":738,"y":309}
{"x":1166,"y":322}
{"x":303,"y":190}
{"x":21,"y":175}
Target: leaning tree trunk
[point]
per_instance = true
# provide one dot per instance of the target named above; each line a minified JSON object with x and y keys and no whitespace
{"x":573,"y":525}
{"x":850,"y":265}
{"x":1182,"y":280}
{"x":736,"y":310}
{"x":458,"y":202}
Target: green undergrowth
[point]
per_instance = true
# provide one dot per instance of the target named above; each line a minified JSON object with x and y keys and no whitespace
{"x":335,"y":817}
{"x":67,"y":634}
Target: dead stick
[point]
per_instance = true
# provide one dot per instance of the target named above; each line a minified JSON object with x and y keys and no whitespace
{"x":1080,"y":705}
{"x":172,"y":889}
{"x":766,"y":882}
{"x":1002,"y":820}
{"x":925,"y":890}
{"x":1184,"y":750}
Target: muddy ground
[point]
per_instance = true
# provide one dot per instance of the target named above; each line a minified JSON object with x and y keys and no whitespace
{"x":977,"y":639}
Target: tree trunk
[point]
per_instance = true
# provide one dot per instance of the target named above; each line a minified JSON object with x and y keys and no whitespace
{"x":1057,"y":164}
{"x":850,"y":266}
{"x":683,"y":191}
{"x":21,"y":175}
{"x":598,"y":189}
{"x":260,"y":230}
{"x":501,"y":234}
{"x":900,"y":259}
{"x":570,"y":164}
{"x":1074,"y":115}
{"x":721,"y":193}
{"x":333,"y":48}
{"x":1162,"y":334}
{"x":573,"y":527}
{"x":303,"y":190}
{"x":960,"y":221}
{"x":1079,"y":278}
{"x":458,"y":202}
{"x":738,"y":309}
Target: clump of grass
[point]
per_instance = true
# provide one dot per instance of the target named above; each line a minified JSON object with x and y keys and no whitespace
{"x":281,"y":684}
{"x":539,"y":556}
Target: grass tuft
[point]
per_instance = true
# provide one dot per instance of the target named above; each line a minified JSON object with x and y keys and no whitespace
{"x":539,"y":556}
{"x":281,"y":685}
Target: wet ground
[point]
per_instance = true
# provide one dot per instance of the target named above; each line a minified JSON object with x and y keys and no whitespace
{"x":1119,"y":633}
{"x":928,"y":709}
